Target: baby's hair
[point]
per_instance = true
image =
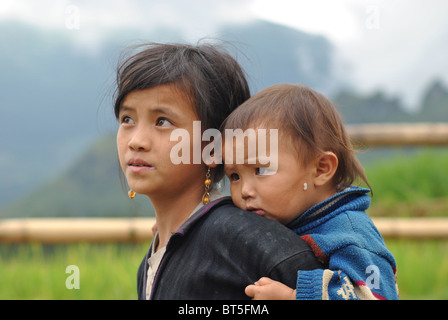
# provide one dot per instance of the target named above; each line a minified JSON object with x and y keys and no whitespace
{"x":307,"y":120}
{"x":206,"y":73}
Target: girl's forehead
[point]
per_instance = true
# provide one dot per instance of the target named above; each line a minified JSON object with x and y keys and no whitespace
{"x":162,"y":96}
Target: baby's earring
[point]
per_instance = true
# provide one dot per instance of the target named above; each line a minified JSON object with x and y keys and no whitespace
{"x":207,"y":183}
{"x":305,"y":186}
{"x":131,"y":194}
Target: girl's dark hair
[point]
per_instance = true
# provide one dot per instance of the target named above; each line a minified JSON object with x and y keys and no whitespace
{"x":309,"y":122}
{"x":206,"y":73}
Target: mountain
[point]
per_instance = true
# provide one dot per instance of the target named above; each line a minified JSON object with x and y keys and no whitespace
{"x":58,"y":155}
{"x":57,"y":96}
{"x":372,"y":108}
{"x":378,"y":107}
{"x":277,"y":54}
{"x":50,"y":97}
{"x":91,"y":187}
{"x":434,"y":106}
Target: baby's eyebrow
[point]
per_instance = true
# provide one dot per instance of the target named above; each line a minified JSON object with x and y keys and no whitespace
{"x":229,"y":168}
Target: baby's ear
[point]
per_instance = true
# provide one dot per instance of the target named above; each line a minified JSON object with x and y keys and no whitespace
{"x":326,"y":166}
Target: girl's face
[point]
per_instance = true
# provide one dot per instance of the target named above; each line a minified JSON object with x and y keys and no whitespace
{"x":278,"y":196}
{"x":147,"y":117}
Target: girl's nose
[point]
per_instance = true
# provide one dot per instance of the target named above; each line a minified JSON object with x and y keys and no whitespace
{"x":140,"y":140}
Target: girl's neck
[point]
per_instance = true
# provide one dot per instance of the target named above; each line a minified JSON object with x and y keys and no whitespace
{"x":171,"y":213}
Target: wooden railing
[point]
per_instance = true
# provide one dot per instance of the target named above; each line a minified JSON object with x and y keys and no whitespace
{"x":59,"y":231}
{"x":399,"y":134}
{"x":69,"y":230}
{"x":139,"y":229}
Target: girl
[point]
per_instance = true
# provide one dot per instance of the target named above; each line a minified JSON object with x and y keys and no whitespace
{"x":197,"y":252}
{"x":311,"y":193}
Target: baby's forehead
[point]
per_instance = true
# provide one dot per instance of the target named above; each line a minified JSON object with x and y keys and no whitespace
{"x":246,"y":161}
{"x":250,"y":152}
{"x":255,"y":134}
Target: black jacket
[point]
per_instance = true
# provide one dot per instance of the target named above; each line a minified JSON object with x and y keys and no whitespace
{"x":220,"y":250}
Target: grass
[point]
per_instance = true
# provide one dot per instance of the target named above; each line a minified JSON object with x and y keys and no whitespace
{"x":35,"y":271}
{"x":108,"y":272}
{"x":410,"y":184}
{"x":422,"y":268}
{"x":413,"y":183}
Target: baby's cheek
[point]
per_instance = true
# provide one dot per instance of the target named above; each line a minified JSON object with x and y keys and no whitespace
{"x":236,"y":197}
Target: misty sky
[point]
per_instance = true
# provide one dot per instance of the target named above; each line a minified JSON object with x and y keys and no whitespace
{"x":399,"y":45}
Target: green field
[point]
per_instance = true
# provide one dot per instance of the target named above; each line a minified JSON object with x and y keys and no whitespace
{"x":422,"y":268}
{"x":106,"y":271}
{"x":109,"y":271}
{"x":411,"y":184}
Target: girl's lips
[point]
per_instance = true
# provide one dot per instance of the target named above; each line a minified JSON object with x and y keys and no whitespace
{"x":138,"y":166}
{"x":140,"y":169}
{"x":138,"y":162}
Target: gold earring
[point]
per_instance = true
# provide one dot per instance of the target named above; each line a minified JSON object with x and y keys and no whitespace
{"x":207,"y":183}
{"x":131,"y":194}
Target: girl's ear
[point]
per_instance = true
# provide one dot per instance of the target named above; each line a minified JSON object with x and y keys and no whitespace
{"x":326,"y":166}
{"x":212,"y":164}
{"x":211,"y":161}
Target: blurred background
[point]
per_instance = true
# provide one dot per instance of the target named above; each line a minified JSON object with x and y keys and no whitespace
{"x":379,"y":61}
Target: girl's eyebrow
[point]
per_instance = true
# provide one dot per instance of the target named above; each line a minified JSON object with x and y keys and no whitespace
{"x":164,"y":110}
{"x":126,"y":108}
{"x":156,"y":110}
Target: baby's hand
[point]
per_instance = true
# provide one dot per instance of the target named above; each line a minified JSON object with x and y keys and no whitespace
{"x":268,"y":289}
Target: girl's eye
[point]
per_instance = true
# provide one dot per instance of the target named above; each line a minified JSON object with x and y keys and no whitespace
{"x":162,"y":122}
{"x":127,"y":120}
{"x":264,"y":171}
{"x":234,"y":177}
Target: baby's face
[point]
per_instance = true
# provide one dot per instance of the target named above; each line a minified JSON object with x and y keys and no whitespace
{"x":278,"y":195}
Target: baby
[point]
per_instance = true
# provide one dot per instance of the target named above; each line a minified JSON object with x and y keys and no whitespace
{"x":311,"y":192}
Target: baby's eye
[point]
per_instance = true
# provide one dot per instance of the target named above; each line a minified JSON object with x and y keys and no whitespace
{"x":163,"y":122}
{"x":127,"y":120}
{"x":264,"y":171}
{"x":234,"y":177}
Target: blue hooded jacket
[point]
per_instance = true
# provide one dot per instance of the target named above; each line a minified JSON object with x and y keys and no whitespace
{"x":343,"y":237}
